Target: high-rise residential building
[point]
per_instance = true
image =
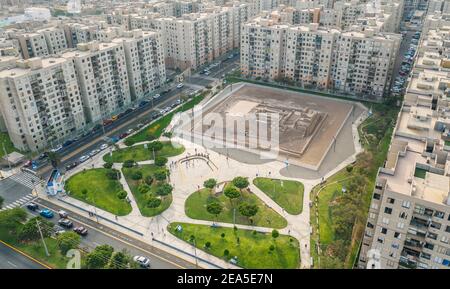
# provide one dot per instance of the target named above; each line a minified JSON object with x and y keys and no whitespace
{"x":41,"y":102}
{"x":55,"y":38}
{"x":30,"y":45}
{"x":102,"y":77}
{"x":145,"y":61}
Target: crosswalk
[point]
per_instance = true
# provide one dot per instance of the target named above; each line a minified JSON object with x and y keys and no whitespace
{"x":18,"y":203}
{"x":26,"y":179}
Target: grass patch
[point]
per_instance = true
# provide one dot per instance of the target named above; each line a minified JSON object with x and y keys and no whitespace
{"x":252,"y":252}
{"x":36,"y":249}
{"x":100,"y":191}
{"x":6,"y":142}
{"x":288,"y":194}
{"x":141,"y":199}
{"x":140,"y":153}
{"x":155,"y":129}
{"x":195,"y":208}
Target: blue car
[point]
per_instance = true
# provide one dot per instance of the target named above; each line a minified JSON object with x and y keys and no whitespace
{"x":46,"y":214}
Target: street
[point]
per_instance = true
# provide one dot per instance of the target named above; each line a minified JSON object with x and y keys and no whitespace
{"x":10,"y":259}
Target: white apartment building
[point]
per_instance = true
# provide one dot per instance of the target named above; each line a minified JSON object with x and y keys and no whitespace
{"x":102,"y":77}
{"x":408,"y":224}
{"x":30,"y":45}
{"x":55,"y":38}
{"x":145,"y":61}
{"x":357,"y":63}
{"x":41,"y":102}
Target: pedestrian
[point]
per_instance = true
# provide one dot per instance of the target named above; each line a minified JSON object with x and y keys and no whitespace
{"x":115,"y":217}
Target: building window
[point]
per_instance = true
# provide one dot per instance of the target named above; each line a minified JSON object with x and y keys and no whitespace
{"x":390,"y":200}
{"x":429,"y":246}
{"x":447,"y":229}
{"x":388,"y":210}
{"x":383,"y":231}
{"x":376,"y":196}
{"x":439,"y":214}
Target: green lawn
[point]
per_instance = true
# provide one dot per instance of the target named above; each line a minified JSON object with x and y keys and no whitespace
{"x":252,"y":251}
{"x":141,"y":199}
{"x":155,"y":129}
{"x":36,"y":250}
{"x":6,"y":141}
{"x":140,"y":153}
{"x":195,"y":207}
{"x":101,"y":191}
{"x":287,"y":194}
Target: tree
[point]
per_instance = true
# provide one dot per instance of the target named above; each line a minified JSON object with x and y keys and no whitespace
{"x":1,"y":202}
{"x":29,"y":232}
{"x":113,"y":174}
{"x":232,"y":193}
{"x":248,"y":210}
{"x":275,"y":234}
{"x":160,"y":174}
{"x":99,"y":257}
{"x":119,"y":260}
{"x":11,"y":219}
{"x":271,"y":248}
{"x":143,"y":188}
{"x":68,"y":240}
{"x":164,"y":189}
{"x":148,"y":180}
{"x":108,"y":165}
{"x":129,"y":142}
{"x":222,"y":236}
{"x":155,"y":146}
{"x":128,"y":163}
{"x":54,"y":159}
{"x":122,"y":194}
{"x":226,"y":252}
{"x":153,"y":202}
{"x":137,"y":175}
{"x":240,"y":182}
{"x":214,"y":208}
{"x":210,"y":183}
{"x":207,"y":245}
{"x":160,"y":161}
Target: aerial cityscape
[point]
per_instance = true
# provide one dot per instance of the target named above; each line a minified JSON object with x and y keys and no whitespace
{"x":225,"y":134}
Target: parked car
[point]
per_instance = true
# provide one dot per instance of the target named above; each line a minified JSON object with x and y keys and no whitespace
{"x":59,"y":231}
{"x":123,"y":135}
{"x":84,"y":158}
{"x":46,"y":213}
{"x":71,"y":166}
{"x":180,"y":85}
{"x":80,"y":231}
{"x":32,"y":206}
{"x":144,"y":262}
{"x":66,"y":223}
{"x":94,"y":152}
{"x":115,"y":139}
{"x":130,"y":131}
{"x":57,"y":149}
{"x":67,"y":143}
{"x":104,"y":146}
{"x":107,"y":122}
{"x":156,"y":96}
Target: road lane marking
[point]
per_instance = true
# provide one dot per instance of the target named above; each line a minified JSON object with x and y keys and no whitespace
{"x":12,"y":264}
{"x":25,"y":254}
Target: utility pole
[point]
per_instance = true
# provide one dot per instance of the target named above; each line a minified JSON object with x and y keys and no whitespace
{"x":42,"y":238}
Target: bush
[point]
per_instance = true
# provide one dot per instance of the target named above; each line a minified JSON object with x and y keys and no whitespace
{"x":137,"y":175}
{"x":164,"y":189}
{"x":160,"y":161}
{"x":155,"y":146}
{"x":349,"y":169}
{"x":143,"y":188}
{"x":153,"y":202}
{"x":122,"y":195}
{"x":160,"y":174}
{"x":210,"y":183}
{"x":128,"y":164}
{"x":129,"y":142}
{"x":108,"y":165}
{"x":113,"y":174}
{"x":148,"y":180}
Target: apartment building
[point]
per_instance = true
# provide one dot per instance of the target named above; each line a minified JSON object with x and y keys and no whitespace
{"x":354,"y":62}
{"x":102,"y":77}
{"x":408,"y":224}
{"x":41,"y":102}
{"x":55,"y":38}
{"x":29,"y":45}
{"x":144,"y":57}
{"x":263,"y":43}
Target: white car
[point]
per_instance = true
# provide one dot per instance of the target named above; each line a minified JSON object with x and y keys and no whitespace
{"x":94,"y":152}
{"x":180,"y":85}
{"x":156,"y":96}
{"x":104,"y":146}
{"x":84,"y":158}
{"x":142,"y":261}
{"x":58,"y":148}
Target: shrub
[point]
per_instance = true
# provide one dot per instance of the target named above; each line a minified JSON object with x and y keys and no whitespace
{"x":153,"y":202}
{"x":160,"y":174}
{"x":143,"y":188}
{"x":164,"y":189}
{"x":148,"y":180}
{"x":160,"y":161}
{"x":210,"y":183}
{"x":349,"y":169}
{"x":113,"y":174}
{"x":128,"y":164}
{"x":108,"y":165}
{"x":137,"y":175}
{"x":226,"y":252}
{"x":122,"y":195}
{"x":84,"y":192}
{"x":129,"y":142}
{"x":156,"y":146}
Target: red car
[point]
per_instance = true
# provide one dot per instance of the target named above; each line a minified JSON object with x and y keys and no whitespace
{"x":80,"y":231}
{"x":124,"y":135}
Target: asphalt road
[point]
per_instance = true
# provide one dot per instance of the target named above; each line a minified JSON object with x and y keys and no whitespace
{"x":10,"y":259}
{"x":99,"y":234}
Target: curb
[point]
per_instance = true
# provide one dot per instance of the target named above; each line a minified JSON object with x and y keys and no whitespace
{"x":25,"y":254}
